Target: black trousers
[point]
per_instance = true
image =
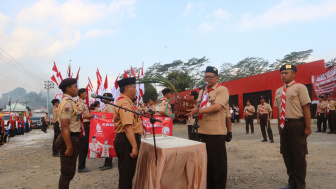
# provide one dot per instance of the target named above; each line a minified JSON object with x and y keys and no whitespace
{"x":265,"y":124}
{"x":217,"y":160}
{"x":293,"y":147}
{"x":126,"y":164}
{"x":249,"y":122}
{"x":192,"y":136}
{"x":332,"y":120}
{"x":321,"y":119}
{"x":57,"y":131}
{"x":68,"y":164}
{"x":84,"y":146}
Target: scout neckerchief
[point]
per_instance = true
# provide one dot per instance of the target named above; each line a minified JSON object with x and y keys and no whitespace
{"x":246,"y":112}
{"x":205,"y":100}
{"x":328,"y":108}
{"x":283,"y":106}
{"x":319,"y":108}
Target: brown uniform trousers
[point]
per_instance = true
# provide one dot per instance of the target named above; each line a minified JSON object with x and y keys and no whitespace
{"x":217,"y":160}
{"x":292,"y":141}
{"x":57,"y":131}
{"x":84,"y":146}
{"x":332,"y":121}
{"x":321,"y":119}
{"x":126,"y":163}
{"x":249,"y":122}
{"x":68,"y":164}
{"x":263,"y":124}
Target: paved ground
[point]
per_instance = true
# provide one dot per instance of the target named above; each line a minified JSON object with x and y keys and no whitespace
{"x":26,"y":162}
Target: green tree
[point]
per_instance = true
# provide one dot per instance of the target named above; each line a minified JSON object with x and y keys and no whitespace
{"x":331,"y":62}
{"x":250,"y":66}
{"x":181,"y":80}
{"x":294,"y":58}
{"x":150,"y":92}
{"x":226,"y":72}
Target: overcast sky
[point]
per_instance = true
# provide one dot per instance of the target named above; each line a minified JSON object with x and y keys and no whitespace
{"x":114,"y":35}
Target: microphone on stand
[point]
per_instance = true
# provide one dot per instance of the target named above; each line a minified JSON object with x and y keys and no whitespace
{"x":204,"y":84}
{"x":94,"y":95}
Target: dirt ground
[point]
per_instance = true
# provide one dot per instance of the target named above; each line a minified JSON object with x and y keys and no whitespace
{"x":26,"y":162}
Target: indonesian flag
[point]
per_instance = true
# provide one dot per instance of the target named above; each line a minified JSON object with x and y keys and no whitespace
{"x":125,"y":74}
{"x":78,"y":73}
{"x":53,"y":78}
{"x":141,"y":86}
{"x":105,"y":89}
{"x":25,"y":119}
{"x":132,"y":71}
{"x":57,"y":79}
{"x":115,"y":90}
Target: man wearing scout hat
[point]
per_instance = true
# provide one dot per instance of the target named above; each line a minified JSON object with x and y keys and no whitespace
{"x":70,"y":131}
{"x":108,"y":108}
{"x":213,"y":130}
{"x":331,"y":114}
{"x":84,"y":139}
{"x":294,"y":118}
{"x":128,"y":128}
{"x":248,"y":114}
{"x":264,"y":112}
{"x":57,"y":129}
{"x":166,"y":96}
{"x":321,"y":114}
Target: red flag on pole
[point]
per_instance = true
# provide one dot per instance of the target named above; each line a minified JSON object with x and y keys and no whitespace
{"x":78,"y":73}
{"x":132,"y":71}
{"x":53,"y":78}
{"x":55,"y":68}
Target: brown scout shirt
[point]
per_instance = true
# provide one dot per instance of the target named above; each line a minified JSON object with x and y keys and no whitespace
{"x":68,"y":110}
{"x":323,"y":106}
{"x":108,"y":108}
{"x":267,"y":108}
{"x":123,"y":117}
{"x":215,"y":123}
{"x":163,"y":106}
{"x":227,"y":110}
{"x":55,"y":114}
{"x":251,"y":108}
{"x":84,"y":109}
{"x":296,"y":97}
{"x":331,"y":104}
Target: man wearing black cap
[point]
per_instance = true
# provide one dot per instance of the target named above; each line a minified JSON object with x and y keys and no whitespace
{"x":84,"y":140}
{"x":128,"y":128}
{"x":249,"y":110}
{"x":69,"y":119}
{"x":57,"y":129}
{"x":320,"y":114}
{"x":331,"y":114}
{"x":166,"y":96}
{"x":264,"y":112}
{"x":108,"y":108}
{"x":213,"y":130}
{"x":191,"y":120}
{"x":294,"y":118}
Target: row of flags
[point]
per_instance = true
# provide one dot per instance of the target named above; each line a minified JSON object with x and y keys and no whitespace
{"x":102,"y":86}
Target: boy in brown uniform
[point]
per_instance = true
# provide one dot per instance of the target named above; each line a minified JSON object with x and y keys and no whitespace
{"x":294,"y":118}
{"x":108,"y":108}
{"x":128,"y":128}
{"x":331,"y":114}
{"x":264,"y":112}
{"x":166,"y":96}
{"x":213,"y":129}
{"x":70,"y":131}
{"x":248,"y":114}
{"x":84,"y":140}
{"x":57,"y":129}
{"x":321,"y":114}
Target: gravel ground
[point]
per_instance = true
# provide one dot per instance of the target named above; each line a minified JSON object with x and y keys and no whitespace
{"x":26,"y":162}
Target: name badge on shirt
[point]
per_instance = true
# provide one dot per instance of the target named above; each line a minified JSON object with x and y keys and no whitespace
{"x":208,"y":104}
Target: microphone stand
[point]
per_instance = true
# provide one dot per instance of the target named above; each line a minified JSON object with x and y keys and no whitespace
{"x":152,"y":121}
{"x":196,"y":126}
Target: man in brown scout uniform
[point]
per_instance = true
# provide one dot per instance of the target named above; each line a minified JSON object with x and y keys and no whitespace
{"x":108,"y":108}
{"x":331,"y":114}
{"x":294,"y":118}
{"x":152,"y":105}
{"x":213,"y":128}
{"x":264,"y":112}
{"x":128,"y":128}
{"x":248,"y":114}
{"x":57,"y":129}
{"x":321,"y":114}
{"x":70,"y":131}
{"x":166,"y":96}
{"x":84,"y":140}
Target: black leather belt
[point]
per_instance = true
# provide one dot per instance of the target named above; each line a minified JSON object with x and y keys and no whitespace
{"x":75,"y":134}
{"x":293,"y":120}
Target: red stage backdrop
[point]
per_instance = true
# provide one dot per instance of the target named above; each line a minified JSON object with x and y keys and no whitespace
{"x":166,"y":127}
{"x":102,"y":128}
{"x":325,"y":83}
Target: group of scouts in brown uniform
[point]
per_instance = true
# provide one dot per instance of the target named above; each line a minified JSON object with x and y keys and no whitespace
{"x":292,"y":101}
{"x":325,"y":112}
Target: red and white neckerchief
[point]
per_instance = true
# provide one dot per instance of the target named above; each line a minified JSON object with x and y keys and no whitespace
{"x":319,"y":109}
{"x":328,"y":108}
{"x":205,"y":100}
{"x":262,"y":109}
{"x":283,"y":106}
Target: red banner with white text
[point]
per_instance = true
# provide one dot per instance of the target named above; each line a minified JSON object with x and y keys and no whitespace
{"x":325,"y":83}
{"x":102,"y":134}
{"x":166,"y":127}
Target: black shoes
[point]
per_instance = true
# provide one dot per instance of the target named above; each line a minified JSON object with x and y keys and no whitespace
{"x":56,"y":155}
{"x":288,"y":187}
{"x":84,"y":170}
{"x":323,"y":131}
{"x":264,"y":140}
{"x":272,"y":141}
{"x":318,"y":131}
{"x":105,"y":167}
